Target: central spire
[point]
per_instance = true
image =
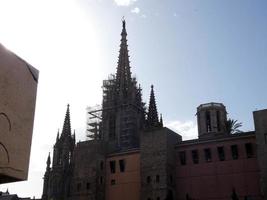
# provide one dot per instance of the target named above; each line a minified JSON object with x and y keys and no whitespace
{"x":123,"y":74}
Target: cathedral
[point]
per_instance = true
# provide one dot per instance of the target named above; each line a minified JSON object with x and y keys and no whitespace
{"x":131,"y":155}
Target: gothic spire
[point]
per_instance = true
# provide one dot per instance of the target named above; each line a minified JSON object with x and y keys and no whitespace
{"x":66,"y":127}
{"x":123,"y":74}
{"x":152,"y":115}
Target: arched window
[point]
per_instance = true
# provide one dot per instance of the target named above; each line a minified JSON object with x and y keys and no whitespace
{"x":208,"y":122}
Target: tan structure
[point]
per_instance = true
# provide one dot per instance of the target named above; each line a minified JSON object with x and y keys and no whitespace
{"x":125,"y":179}
{"x":18,"y":86}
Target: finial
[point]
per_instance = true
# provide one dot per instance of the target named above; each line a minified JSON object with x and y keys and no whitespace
{"x":152,"y":86}
{"x":48,"y":162}
{"x":161,"y":120}
{"x":123,"y":22}
{"x":68,"y":105}
{"x":57,"y":134}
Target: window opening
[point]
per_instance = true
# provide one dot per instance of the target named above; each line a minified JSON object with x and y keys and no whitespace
{"x":265,"y":137}
{"x":157,"y":178}
{"x":249,"y":150}
{"x":88,"y":186}
{"x":171,"y":179}
{"x":221,"y":153}
{"x":101,"y":165}
{"x":112,"y":182}
{"x":208,"y":122}
{"x":195,"y":156}
{"x":207,"y":155}
{"x":182,"y":156}
{"x":79,"y":185}
{"x":148,"y":179}
{"x":234,"y":151}
{"x":122,"y":165}
{"x":112,"y":166}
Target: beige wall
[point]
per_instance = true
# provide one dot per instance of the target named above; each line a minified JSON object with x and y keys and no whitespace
{"x":18,"y":85}
{"x":127,"y":183}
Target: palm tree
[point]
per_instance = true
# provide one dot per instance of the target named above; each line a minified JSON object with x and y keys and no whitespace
{"x":232,"y":126}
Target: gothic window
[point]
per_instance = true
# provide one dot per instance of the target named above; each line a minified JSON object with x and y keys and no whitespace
{"x":112,"y":165}
{"x":170,"y":195}
{"x":195,"y":156}
{"x":112,"y":182}
{"x":218,"y":120}
{"x":148,"y":179}
{"x":101,"y":165}
{"x":158,"y":198}
{"x":265,"y":137}
{"x":171,"y":179}
{"x":122,"y":165}
{"x":182,"y":156}
{"x":207,"y":155}
{"x":101,"y":180}
{"x":221,"y":153}
{"x":157,"y":178}
{"x":249,"y":150}
{"x":208,"y":122}
{"x":234,"y":151}
{"x":79,"y":185}
{"x":88,"y":186}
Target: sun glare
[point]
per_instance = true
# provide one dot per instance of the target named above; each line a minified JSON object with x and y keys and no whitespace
{"x":59,"y":39}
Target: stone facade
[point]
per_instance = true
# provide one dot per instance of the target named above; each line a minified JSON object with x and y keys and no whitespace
{"x":157,"y":163}
{"x":260,"y":121}
{"x":132,"y":156}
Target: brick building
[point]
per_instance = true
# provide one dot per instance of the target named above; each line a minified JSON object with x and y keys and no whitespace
{"x":131,"y":155}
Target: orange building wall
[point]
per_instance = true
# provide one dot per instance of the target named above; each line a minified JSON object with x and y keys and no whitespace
{"x":127,"y":183}
{"x":216,"y":179}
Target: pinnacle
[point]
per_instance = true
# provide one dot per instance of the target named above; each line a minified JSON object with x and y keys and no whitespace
{"x":67,"y":126}
{"x":48,"y":162}
{"x":152,"y":116}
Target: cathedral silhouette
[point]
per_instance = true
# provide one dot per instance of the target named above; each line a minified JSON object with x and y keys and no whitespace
{"x":130,"y":155}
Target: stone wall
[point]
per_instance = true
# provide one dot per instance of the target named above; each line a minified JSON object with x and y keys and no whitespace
{"x":260,"y":121}
{"x":88,"y":180}
{"x":157,"y":161}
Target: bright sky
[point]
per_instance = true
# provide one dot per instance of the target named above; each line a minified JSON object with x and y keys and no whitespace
{"x":193,"y":51}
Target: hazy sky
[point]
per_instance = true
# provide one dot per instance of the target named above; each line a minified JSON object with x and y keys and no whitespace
{"x":193,"y":51}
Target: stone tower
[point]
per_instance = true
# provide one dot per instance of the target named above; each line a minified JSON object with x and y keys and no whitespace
{"x":211,"y":119}
{"x":57,"y":178}
{"x":123,"y":110}
{"x":157,"y":155}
